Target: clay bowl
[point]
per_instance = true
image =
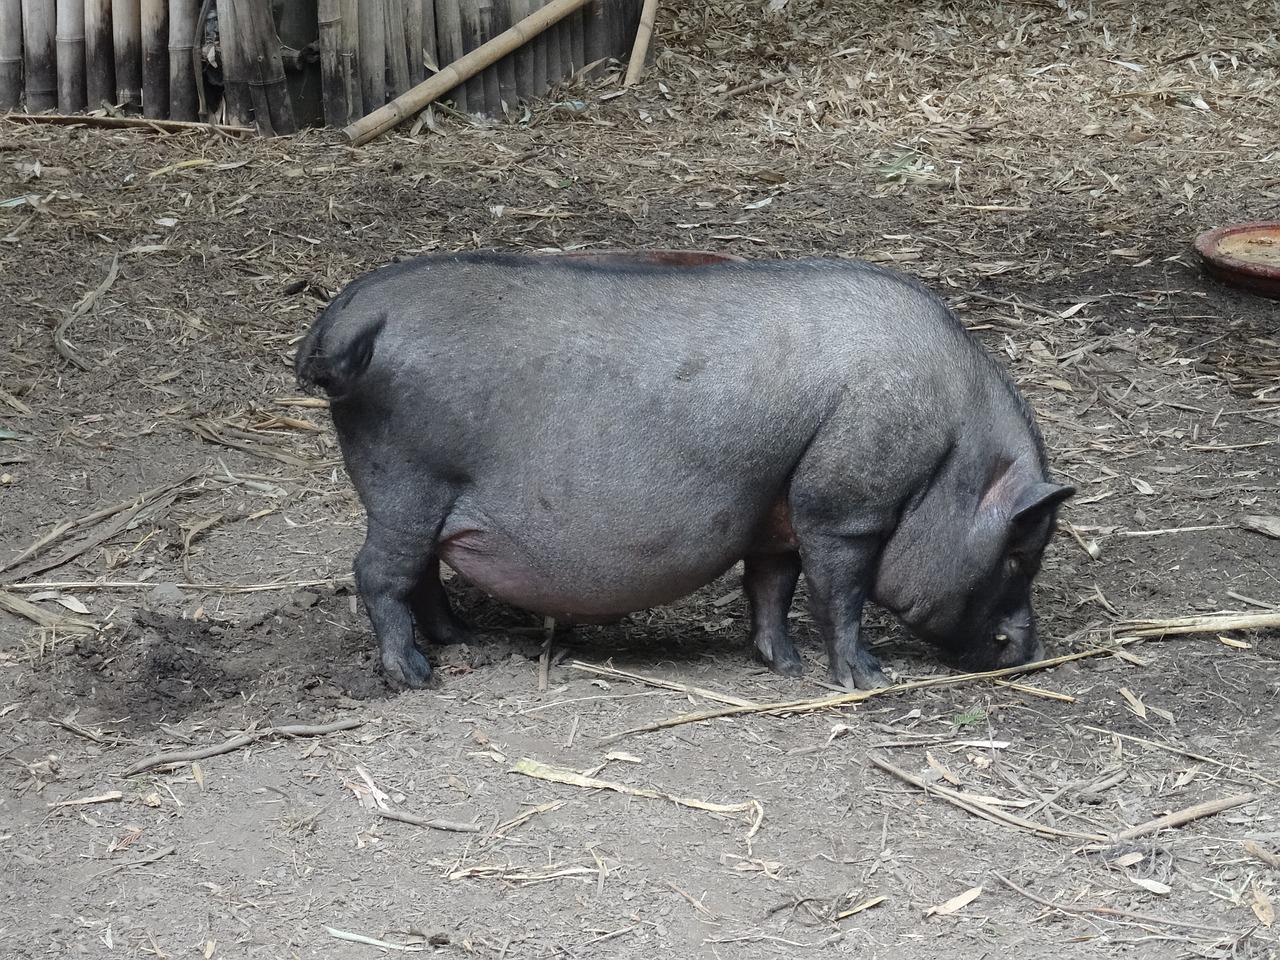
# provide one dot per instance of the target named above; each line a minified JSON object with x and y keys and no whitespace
{"x":1246,"y":255}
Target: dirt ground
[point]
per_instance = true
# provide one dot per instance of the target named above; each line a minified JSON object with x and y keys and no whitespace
{"x":1045,"y":166}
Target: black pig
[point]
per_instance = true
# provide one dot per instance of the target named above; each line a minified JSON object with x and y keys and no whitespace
{"x":585,"y":437}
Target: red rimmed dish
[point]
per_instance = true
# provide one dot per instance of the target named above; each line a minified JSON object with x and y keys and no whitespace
{"x":1245,"y":255}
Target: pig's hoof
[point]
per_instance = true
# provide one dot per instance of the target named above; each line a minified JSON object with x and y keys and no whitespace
{"x":413,"y":670}
{"x":781,"y":659}
{"x":786,"y":667}
{"x":860,"y":676}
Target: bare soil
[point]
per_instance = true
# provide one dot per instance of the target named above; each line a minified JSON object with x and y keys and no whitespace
{"x":1044,"y":166}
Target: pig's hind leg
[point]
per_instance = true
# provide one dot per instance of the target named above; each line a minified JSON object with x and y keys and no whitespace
{"x":769,"y":581}
{"x":430,"y":605}
{"x":391,"y":585}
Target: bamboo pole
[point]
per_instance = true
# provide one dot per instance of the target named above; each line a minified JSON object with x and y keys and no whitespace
{"x":183,"y":75}
{"x":70,"y":43}
{"x":472,"y":38}
{"x":349,"y":56}
{"x":573,"y":52}
{"x":260,"y":52}
{"x":99,"y":56}
{"x":643,"y":35}
{"x":10,"y":53}
{"x":522,"y":58}
{"x":155,"y":58}
{"x":335,"y":93}
{"x":503,"y":17}
{"x":39,"y":27}
{"x":397,"y":51}
{"x":449,"y":42}
{"x":411,"y":102}
{"x":552,"y":67}
{"x":487,"y":79}
{"x":413,"y":41}
{"x":126,"y":32}
{"x":373,"y":54}
{"x":236,"y":103}
{"x":298,"y":26}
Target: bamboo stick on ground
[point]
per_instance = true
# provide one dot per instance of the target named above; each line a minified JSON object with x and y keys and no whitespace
{"x":71,"y":63}
{"x":405,"y":106}
{"x":39,"y":27}
{"x":127,"y":123}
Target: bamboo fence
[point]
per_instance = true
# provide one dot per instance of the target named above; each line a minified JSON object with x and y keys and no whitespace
{"x":312,"y":61}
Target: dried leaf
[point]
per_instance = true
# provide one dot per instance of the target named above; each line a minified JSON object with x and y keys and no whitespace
{"x":1262,"y":907}
{"x":955,"y":903}
{"x":1154,"y":886}
{"x":1135,"y":704}
{"x":1261,"y":523}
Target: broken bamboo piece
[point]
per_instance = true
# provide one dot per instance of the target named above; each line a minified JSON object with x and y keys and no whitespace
{"x":635,"y":66}
{"x":409,"y":103}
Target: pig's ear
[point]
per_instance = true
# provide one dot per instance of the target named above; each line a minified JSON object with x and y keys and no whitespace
{"x":1037,"y":500}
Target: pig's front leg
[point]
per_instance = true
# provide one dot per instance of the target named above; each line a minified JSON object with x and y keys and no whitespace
{"x":387,"y":582}
{"x":839,"y":570}
{"x":769,"y":581}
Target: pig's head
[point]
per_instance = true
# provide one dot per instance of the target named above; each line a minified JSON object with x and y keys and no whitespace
{"x":958,"y":568}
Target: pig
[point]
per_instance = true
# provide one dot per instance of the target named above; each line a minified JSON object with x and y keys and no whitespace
{"x":585,"y":437}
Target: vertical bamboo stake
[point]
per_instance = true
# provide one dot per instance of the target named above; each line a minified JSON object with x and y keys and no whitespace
{"x":182,"y":72}
{"x":126,"y":31}
{"x":39,"y":27}
{"x":538,"y":48}
{"x":373,"y":54}
{"x":335,"y":94}
{"x":413,"y":30}
{"x":10,"y":53}
{"x":551,"y":74}
{"x":595,"y":47}
{"x":523,"y":56}
{"x":236,"y":102}
{"x":99,"y":55}
{"x":449,"y":41}
{"x":487,"y":79}
{"x":506,"y":67}
{"x":155,"y":58}
{"x":636,"y":66}
{"x":260,"y":52}
{"x":469,"y":11}
{"x":71,"y":90}
{"x":573,"y":51}
{"x":397,"y":52}
{"x":349,"y":57}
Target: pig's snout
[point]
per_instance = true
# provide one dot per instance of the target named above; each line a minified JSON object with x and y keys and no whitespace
{"x":1016,"y":642}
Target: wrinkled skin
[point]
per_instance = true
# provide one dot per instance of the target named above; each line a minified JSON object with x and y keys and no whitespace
{"x":588,"y":438}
